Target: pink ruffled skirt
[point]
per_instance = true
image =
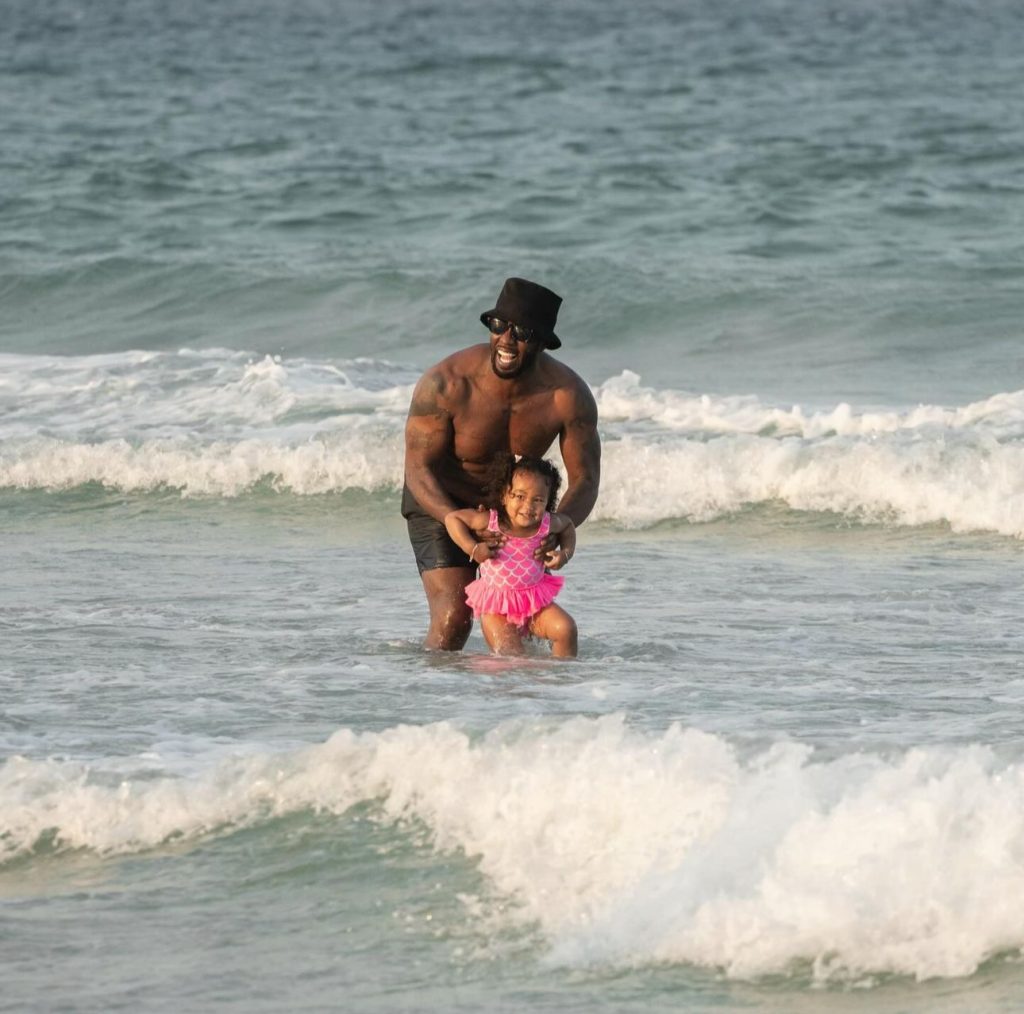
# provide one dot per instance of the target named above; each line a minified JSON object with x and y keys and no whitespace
{"x":517,"y":605}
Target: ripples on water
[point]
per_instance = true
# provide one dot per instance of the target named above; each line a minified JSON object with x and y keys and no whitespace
{"x":731,"y":181}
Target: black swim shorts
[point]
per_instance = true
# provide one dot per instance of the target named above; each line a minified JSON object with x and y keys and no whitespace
{"x":431,"y":543}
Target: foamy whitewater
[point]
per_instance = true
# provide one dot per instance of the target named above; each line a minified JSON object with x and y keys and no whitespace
{"x":218,"y":423}
{"x":625,"y":848}
{"x":786,"y":773}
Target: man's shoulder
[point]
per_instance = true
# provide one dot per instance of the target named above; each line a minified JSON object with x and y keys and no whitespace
{"x":451,"y":375}
{"x":568,"y":385}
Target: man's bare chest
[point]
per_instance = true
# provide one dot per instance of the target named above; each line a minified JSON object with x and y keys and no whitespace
{"x":523,"y":425}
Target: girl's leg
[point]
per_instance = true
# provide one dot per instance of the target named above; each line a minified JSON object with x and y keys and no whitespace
{"x":554,"y":624}
{"x":502,"y":637}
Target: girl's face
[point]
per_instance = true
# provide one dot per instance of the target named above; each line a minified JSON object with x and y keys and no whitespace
{"x":526,"y":499}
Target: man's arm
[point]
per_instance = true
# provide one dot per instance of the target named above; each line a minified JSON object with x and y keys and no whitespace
{"x":565,"y":532}
{"x":429,"y":437}
{"x":581,"y":453}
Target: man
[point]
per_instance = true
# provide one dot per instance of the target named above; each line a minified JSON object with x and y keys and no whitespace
{"x":508,"y":394}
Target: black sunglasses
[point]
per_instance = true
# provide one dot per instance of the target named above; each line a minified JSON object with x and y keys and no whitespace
{"x":521,"y":334}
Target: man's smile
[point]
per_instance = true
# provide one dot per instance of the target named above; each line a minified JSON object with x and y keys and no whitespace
{"x":508,"y":362}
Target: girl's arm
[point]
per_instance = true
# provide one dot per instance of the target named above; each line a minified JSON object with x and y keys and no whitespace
{"x":562,"y":526}
{"x":461,"y":524}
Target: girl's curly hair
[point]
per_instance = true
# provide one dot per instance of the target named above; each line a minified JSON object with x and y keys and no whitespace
{"x":504,"y":466}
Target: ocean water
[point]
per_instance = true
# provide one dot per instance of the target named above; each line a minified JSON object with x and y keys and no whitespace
{"x":786,"y":773}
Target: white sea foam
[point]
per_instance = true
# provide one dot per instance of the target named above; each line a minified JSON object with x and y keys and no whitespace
{"x":363,"y":456}
{"x":971,"y":484}
{"x":624,"y":399}
{"x":210,"y":394}
{"x":624,"y":847}
{"x":214,"y":423}
{"x":219,"y":423}
{"x":700,"y":458}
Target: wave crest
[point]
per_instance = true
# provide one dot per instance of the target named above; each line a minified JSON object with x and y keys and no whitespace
{"x":220,"y":423}
{"x":627,"y":847}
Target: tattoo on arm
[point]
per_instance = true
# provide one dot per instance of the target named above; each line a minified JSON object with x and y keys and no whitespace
{"x":427,"y":396}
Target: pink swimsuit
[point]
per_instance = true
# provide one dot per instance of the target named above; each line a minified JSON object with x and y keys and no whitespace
{"x":514,"y":584}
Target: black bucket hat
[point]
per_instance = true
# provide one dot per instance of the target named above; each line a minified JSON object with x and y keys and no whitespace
{"x":529,"y":305}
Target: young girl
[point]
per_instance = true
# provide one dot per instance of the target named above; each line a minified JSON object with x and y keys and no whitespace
{"x":514,"y":594}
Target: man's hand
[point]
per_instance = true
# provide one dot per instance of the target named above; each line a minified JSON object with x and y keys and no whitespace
{"x":557,"y":558}
{"x":548,"y":545}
